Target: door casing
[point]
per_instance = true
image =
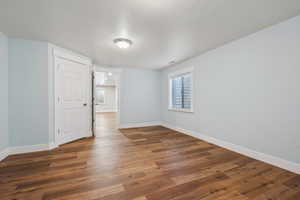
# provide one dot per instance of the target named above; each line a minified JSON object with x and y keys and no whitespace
{"x":118,"y":73}
{"x":61,"y":54}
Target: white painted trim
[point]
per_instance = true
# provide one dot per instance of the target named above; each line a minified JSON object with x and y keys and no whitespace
{"x":70,"y":55}
{"x":181,"y":110}
{"x":179,"y":73}
{"x":107,"y":111}
{"x":278,"y":162}
{"x":59,"y":53}
{"x":26,"y":149}
{"x":31,"y":148}
{"x":4,"y":153}
{"x":90,"y":134}
{"x":51,"y":95}
{"x":119,"y":91}
{"x":138,"y":125}
{"x":52,"y":146}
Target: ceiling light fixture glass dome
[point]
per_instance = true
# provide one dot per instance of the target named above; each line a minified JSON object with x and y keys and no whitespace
{"x":123,"y":43}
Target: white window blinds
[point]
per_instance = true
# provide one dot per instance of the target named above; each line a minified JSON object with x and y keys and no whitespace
{"x":181,"y":91}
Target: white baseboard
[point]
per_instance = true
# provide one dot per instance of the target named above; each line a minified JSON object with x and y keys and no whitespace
{"x":52,"y":145}
{"x":4,"y":154}
{"x":142,"y":124}
{"x":26,"y":149}
{"x":278,"y":162}
{"x":106,"y":111}
{"x":30,"y":149}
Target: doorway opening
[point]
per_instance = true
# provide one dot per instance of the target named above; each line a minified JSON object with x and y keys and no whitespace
{"x":106,"y":102}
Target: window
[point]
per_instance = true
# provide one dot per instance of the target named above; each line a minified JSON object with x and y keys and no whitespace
{"x":100,"y":96}
{"x":181,"y":90}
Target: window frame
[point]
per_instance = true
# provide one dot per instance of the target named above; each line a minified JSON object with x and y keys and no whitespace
{"x":171,"y":76}
{"x":104,"y":96}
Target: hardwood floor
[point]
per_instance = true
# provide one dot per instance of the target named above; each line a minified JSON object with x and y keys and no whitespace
{"x":152,"y":163}
{"x":106,"y":123}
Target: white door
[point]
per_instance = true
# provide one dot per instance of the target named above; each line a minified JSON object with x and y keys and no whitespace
{"x":73,"y":85}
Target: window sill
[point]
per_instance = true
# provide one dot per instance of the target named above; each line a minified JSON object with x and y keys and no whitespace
{"x":181,"y":110}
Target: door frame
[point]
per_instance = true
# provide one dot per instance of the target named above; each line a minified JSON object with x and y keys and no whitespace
{"x":59,"y":53}
{"x":118,"y":71}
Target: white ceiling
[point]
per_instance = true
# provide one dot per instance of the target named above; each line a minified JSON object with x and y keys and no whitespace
{"x":161,"y":30}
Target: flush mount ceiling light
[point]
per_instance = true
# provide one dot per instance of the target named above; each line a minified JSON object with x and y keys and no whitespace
{"x":123,"y":43}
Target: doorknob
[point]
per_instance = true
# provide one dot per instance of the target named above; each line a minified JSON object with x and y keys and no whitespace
{"x":85,"y":104}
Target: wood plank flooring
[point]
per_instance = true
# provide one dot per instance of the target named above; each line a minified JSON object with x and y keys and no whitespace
{"x":152,"y":163}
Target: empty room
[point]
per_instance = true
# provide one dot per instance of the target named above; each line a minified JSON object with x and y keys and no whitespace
{"x":150,"y":100}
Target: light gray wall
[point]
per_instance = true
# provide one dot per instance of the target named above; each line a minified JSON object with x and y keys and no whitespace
{"x":247,"y":92}
{"x":139,"y":96}
{"x":3,"y":92}
{"x":28,"y":92}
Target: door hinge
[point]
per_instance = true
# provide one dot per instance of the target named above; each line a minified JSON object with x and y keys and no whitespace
{"x":58,"y":99}
{"x":58,"y":131}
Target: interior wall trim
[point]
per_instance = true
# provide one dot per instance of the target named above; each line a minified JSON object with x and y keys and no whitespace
{"x":275,"y":161}
{"x":107,"y":111}
{"x":4,"y":154}
{"x":26,"y":149}
{"x":139,"y":125}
